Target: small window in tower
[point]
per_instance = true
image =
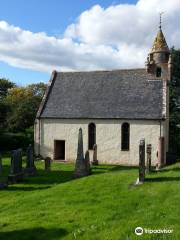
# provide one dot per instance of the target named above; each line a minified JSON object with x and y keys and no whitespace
{"x":158,"y":72}
{"x":167,"y":56}
{"x":151,"y":56}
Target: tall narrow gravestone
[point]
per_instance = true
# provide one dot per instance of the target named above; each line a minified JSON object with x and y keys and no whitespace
{"x":16,"y":173}
{"x":47,"y":162}
{"x":141,"y":161}
{"x":81,"y":165}
{"x":95,"y":161}
{"x":148,"y":163}
{"x":87,"y":162}
{"x":30,"y":167}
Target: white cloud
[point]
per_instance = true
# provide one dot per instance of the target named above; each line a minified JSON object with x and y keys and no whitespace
{"x":116,"y":37}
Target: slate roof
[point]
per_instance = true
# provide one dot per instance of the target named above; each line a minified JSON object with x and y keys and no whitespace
{"x":121,"y":94}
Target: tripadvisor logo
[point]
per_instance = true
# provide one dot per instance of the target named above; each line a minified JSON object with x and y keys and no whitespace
{"x":139,"y":231}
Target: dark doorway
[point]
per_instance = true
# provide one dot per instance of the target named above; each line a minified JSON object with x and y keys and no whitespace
{"x":59,"y":150}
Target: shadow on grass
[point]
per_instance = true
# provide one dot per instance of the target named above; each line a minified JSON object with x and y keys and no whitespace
{"x":176,"y":169}
{"x":112,"y":168}
{"x":162,"y":179}
{"x":44,"y":180}
{"x":26,"y":188}
{"x":48,"y":179}
{"x":35,"y":234}
{"x":51,"y":177}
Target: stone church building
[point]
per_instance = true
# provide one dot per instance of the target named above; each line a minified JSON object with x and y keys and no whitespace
{"x":115,"y":109}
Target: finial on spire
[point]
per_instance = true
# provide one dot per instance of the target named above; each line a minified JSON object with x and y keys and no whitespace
{"x":160,"y":22}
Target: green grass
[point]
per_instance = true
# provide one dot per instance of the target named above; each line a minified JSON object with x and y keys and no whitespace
{"x":105,"y":205}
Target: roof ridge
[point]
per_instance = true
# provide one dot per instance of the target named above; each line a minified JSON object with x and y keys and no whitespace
{"x":96,"y":71}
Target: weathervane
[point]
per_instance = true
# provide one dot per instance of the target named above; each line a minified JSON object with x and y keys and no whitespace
{"x":160,"y":22}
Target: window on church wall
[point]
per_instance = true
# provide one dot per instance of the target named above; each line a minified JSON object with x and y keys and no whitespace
{"x":158,"y":72}
{"x":125,"y":132}
{"x":91,"y":135}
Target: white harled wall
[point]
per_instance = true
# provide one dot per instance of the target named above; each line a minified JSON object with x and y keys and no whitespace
{"x":108,"y":138}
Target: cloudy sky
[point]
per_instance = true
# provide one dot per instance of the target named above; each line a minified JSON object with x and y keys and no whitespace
{"x":39,"y":36}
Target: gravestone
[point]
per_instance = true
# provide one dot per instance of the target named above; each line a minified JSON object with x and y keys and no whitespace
{"x":47,"y":162}
{"x":30,"y":167}
{"x":148,"y":163}
{"x":142,"y":161}
{"x":16,"y":172}
{"x":87,"y":162}
{"x":95,"y":161}
{"x":81,"y":165}
{"x":142,"y":167}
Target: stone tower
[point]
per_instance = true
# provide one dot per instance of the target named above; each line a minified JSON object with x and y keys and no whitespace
{"x":159,"y":59}
{"x":159,"y":64}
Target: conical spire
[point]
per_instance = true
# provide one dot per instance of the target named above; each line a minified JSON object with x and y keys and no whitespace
{"x":158,"y":60}
{"x":160,"y":44}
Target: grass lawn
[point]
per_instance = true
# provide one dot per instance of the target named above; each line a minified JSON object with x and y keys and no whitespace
{"x":53,"y":206}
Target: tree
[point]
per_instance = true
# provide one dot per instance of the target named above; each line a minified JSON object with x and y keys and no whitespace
{"x":5,"y":86}
{"x":24,"y":102}
{"x":174,"y":136}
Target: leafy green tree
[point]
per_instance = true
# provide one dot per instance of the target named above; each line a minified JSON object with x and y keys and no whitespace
{"x":175,"y":103}
{"x":5,"y":86}
{"x":24,"y":102}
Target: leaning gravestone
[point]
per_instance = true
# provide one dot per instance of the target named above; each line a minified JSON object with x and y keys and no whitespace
{"x":81,"y":165}
{"x":16,"y":172}
{"x":142,"y":161}
{"x":47,"y":162}
{"x":95,"y":161}
{"x":87,"y":162}
{"x":148,"y":164}
{"x":142,"y":167}
{"x":30,"y":167}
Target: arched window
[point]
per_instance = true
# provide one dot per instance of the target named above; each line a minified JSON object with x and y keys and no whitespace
{"x":91,"y":135}
{"x":125,"y":132}
{"x":158,"y":72}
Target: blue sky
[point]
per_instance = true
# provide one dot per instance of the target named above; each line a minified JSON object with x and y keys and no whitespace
{"x":50,"y":16}
{"x":39,"y":36}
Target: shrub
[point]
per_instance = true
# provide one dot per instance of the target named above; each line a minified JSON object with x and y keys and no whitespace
{"x":11,"y":141}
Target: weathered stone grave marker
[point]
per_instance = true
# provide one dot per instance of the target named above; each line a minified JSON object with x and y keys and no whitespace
{"x":148,"y":163}
{"x":47,"y":162}
{"x":142,"y":161}
{"x":82,"y":165}
{"x":142,"y":167}
{"x":87,"y":162}
{"x":30,"y":167}
{"x":95,"y":161}
{"x":16,"y":173}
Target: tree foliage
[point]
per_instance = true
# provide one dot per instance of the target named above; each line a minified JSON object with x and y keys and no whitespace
{"x":174,"y":138}
{"x":24,"y":103}
{"x":5,"y":86}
